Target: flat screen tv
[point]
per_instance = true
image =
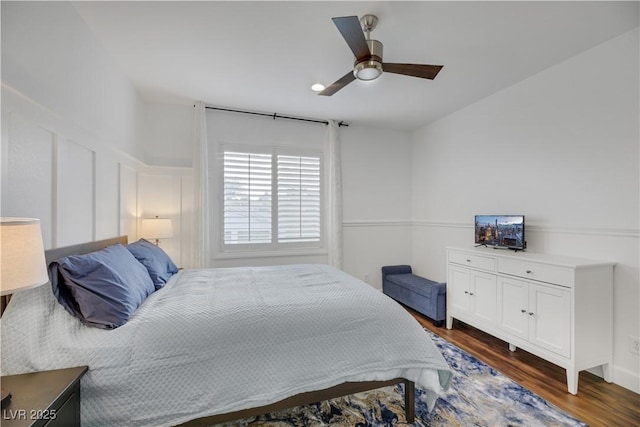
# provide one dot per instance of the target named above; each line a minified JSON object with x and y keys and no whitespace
{"x":501,"y":231}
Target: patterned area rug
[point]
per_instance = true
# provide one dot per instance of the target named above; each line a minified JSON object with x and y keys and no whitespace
{"x":478,"y":396}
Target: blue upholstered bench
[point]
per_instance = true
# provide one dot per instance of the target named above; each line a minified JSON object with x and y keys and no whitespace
{"x":423,"y":295}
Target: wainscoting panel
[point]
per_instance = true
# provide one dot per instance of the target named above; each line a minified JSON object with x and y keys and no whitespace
{"x":77,"y":184}
{"x":75,"y":194}
{"x":27,"y":173}
{"x":157,"y":196}
{"x":168,"y":193}
{"x":80,"y":187}
{"x":107,"y":215}
{"x":128,"y":201}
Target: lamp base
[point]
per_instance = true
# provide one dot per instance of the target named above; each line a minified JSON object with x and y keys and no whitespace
{"x":6,"y":397}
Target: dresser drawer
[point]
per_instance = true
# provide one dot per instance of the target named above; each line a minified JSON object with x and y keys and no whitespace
{"x":536,"y":271}
{"x":473,"y":260}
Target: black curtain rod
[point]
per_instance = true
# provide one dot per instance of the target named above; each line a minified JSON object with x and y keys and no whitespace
{"x":274,"y":116}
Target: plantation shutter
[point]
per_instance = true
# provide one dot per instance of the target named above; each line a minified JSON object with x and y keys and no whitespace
{"x":247,"y":198}
{"x":298,"y":186}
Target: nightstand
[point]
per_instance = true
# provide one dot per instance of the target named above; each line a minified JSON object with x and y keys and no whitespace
{"x":47,"y":398}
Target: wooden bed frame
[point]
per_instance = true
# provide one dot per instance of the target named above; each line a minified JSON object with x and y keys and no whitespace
{"x":344,"y":389}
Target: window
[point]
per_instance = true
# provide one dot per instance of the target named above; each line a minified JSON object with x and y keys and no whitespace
{"x":271,"y":199}
{"x":298,"y":199}
{"x":247,"y":198}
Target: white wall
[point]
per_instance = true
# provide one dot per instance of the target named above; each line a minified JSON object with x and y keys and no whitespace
{"x":170,"y":136}
{"x":52,"y":170}
{"x":80,"y":189}
{"x":50,"y":56}
{"x":73,"y":133}
{"x":165,"y":183}
{"x":376,"y":175}
{"x":70,"y":125}
{"x":561,"y":147}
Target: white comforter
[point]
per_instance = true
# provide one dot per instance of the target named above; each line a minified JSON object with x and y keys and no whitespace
{"x":221,"y":340}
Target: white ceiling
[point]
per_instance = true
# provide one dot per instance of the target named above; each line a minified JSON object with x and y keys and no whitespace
{"x":264,"y":56}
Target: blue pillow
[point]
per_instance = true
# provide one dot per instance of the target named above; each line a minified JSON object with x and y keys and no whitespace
{"x":102,"y":288}
{"x":158,"y":263}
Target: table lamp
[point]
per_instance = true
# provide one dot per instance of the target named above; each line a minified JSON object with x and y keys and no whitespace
{"x":22,"y":262}
{"x":156,"y":228}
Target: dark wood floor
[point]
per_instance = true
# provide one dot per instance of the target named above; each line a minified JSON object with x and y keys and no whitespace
{"x":597,"y":403}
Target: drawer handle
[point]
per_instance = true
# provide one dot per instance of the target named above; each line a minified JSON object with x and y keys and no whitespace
{"x":468,"y":260}
{"x":531,"y":313}
{"x":466,"y":292}
{"x":523,"y":311}
{"x":470,"y":293}
{"x":529,"y":271}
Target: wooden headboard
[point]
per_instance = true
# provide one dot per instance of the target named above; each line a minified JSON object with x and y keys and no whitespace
{"x":82,"y":248}
{"x":79,"y":249}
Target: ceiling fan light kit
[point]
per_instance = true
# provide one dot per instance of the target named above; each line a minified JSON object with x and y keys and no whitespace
{"x":369,"y":64}
{"x":371,"y":68}
{"x":367,"y":70}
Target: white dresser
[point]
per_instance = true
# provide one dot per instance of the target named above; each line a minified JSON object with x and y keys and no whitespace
{"x":558,"y":308}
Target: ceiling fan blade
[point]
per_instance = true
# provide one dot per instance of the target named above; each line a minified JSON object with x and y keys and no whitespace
{"x":349,"y":27}
{"x":338,"y":84}
{"x":415,"y":70}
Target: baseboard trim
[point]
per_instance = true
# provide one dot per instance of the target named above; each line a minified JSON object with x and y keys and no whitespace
{"x":627,"y":379}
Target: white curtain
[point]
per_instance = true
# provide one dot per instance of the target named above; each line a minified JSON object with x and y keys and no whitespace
{"x":334,"y":234}
{"x":201,"y":231}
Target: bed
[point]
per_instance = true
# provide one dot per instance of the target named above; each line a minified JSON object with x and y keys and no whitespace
{"x":215,"y":345}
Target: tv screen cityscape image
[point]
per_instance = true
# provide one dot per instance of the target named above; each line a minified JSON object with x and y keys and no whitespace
{"x":500,"y":230}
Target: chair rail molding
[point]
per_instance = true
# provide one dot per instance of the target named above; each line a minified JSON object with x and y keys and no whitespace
{"x":534,"y":228}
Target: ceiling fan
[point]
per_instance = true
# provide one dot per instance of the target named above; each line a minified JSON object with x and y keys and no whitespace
{"x":368,"y":64}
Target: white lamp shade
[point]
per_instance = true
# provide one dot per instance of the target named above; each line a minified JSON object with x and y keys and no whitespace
{"x":156,"y":228}
{"x":22,"y":264}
